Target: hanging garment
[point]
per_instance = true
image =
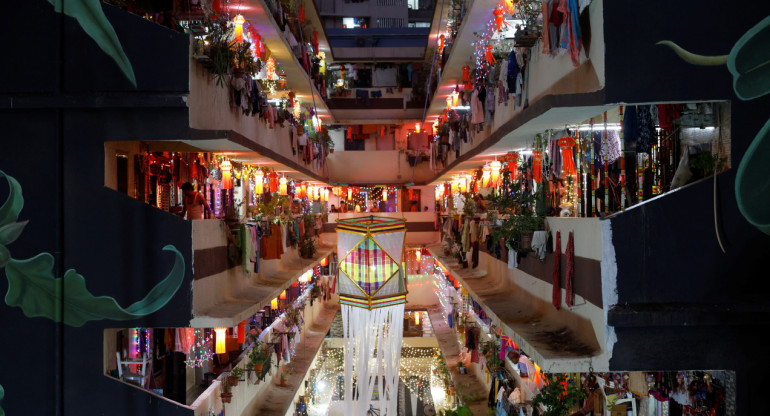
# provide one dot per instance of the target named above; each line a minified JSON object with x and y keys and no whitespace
{"x":556,"y":298}
{"x":570,"y":253}
{"x":571,"y":38}
{"x":513,"y":72}
{"x":647,"y":135}
{"x":477,"y":109}
{"x":539,"y":242}
{"x":465,"y":239}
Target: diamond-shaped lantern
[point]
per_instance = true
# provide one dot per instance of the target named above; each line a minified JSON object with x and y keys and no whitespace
{"x":371,"y":269}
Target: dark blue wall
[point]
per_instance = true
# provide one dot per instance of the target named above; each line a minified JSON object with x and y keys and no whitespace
{"x":61,"y":98}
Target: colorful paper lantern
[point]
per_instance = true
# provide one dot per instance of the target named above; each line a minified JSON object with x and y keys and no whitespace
{"x":259,"y":181}
{"x":455,"y":98}
{"x":282,"y":188}
{"x":495,"y":172}
{"x":270,"y":68}
{"x":441,"y":44}
{"x":499,"y":18}
{"x":417,"y":316}
{"x":273,"y":179}
{"x":239,"y":21}
{"x":274,"y":304}
{"x":417,"y":127}
{"x":242,"y":332}
{"x":301,"y":14}
{"x":350,"y":193}
{"x":221,"y":341}
{"x":486,"y":176}
{"x":227,"y":174}
{"x":512,"y":164}
{"x":489,"y":56}
{"x":384,"y":194}
{"x":282,"y":296}
{"x":325,"y":261}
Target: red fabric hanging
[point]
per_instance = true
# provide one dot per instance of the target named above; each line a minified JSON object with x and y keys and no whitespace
{"x":568,"y":160}
{"x":537,"y":166}
{"x":570,"y":253}
{"x":556,"y":262}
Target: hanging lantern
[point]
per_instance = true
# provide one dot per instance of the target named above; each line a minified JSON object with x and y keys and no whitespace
{"x":350,"y":193}
{"x":282,"y":296}
{"x":495,"y":176}
{"x":309,"y":276}
{"x":350,"y":133}
{"x":455,"y":98}
{"x":418,"y":254}
{"x":438,"y":191}
{"x":259,"y":180}
{"x":227,"y":174}
{"x":273,"y":179}
{"x":326,"y":194}
{"x":270,"y":68}
{"x":499,"y":18}
{"x":297,"y":109}
{"x":454,"y":187}
{"x":466,"y":74}
{"x":274,"y":304}
{"x":568,"y":164}
{"x":325,"y":261}
{"x":489,"y":56}
{"x":441,"y":44}
{"x":449,"y":101}
{"x":372,"y":276}
{"x":486,"y":176}
{"x":462,"y":184}
{"x":315,"y":41}
{"x":537,"y":165}
{"x":220,"y":346}
{"x":303,"y":190}
{"x":385,"y":194}
{"x":417,"y":316}
{"x":282,"y":186}
{"x":239,"y":21}
{"x":417,"y":127}
{"x":435,"y":127}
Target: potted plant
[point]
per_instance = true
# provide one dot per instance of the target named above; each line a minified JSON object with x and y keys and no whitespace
{"x":285,"y":376}
{"x":307,"y":247}
{"x":517,"y":207}
{"x":225,"y":392}
{"x":461,"y":367}
{"x":258,"y":355}
{"x":555,"y":399}
{"x":235,"y":376}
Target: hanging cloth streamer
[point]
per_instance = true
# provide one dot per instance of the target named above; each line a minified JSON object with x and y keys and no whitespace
{"x":537,"y":166}
{"x":556,"y":298}
{"x":570,"y":253}
{"x":568,"y":161}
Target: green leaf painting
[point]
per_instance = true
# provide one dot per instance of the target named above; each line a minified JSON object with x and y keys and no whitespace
{"x":33,"y":287}
{"x":91,"y":18}
{"x":748,"y":61}
{"x":749,"y":64}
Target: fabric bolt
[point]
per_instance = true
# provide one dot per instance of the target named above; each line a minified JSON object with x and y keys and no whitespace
{"x":570,"y":253}
{"x":556,"y":295}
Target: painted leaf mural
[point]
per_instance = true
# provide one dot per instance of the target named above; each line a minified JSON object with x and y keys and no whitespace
{"x":91,"y":18}
{"x":33,"y":287}
{"x":749,"y":64}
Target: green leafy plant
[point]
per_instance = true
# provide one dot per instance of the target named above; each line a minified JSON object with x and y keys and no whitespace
{"x":258,"y":353}
{"x":517,"y":207}
{"x":469,"y":205}
{"x":705,"y":164}
{"x":555,"y":399}
{"x":307,"y":248}
{"x":220,"y":49}
{"x":237,"y":372}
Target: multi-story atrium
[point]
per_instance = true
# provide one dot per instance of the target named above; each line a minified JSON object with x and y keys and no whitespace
{"x":384,"y":207}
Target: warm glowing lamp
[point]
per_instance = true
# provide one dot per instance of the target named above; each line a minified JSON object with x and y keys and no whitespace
{"x":486,"y":175}
{"x":438,"y":191}
{"x":449,"y":101}
{"x":326,"y":194}
{"x":309,"y":274}
{"x":384,"y":194}
{"x":417,"y":127}
{"x":259,"y":181}
{"x":303,"y":190}
{"x":418,"y":254}
{"x":453,"y":187}
{"x":324,"y":261}
{"x":220,"y":347}
{"x":239,"y":21}
{"x":282,"y":295}
{"x":417,"y":316}
{"x":455,"y":97}
{"x":242,"y":332}
{"x":270,"y":68}
{"x":274,"y":304}
{"x":227,"y":174}
{"x":495,"y":174}
{"x":350,"y":193}
{"x":462,"y":184}
{"x":282,"y":186}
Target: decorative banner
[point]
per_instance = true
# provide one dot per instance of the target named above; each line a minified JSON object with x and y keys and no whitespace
{"x":568,"y":160}
{"x":537,"y":165}
{"x":512,"y":164}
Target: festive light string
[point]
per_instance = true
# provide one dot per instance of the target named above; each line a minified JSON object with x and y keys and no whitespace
{"x":200,"y":350}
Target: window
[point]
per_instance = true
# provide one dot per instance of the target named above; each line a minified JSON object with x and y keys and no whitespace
{"x":419,"y":24}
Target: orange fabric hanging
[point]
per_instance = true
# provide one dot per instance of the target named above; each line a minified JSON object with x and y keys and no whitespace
{"x":537,"y":165}
{"x":273,"y":181}
{"x":489,"y":57}
{"x":512,"y":164}
{"x":568,"y":160}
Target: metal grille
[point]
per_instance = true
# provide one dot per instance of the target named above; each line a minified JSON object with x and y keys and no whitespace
{"x":391,"y":21}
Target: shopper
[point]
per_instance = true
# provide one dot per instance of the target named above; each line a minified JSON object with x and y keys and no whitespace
{"x":194,"y":204}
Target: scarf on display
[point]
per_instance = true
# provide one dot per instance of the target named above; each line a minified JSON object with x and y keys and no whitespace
{"x":556,"y":298}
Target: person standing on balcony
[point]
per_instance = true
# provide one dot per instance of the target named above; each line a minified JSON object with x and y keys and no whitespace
{"x":194,"y":204}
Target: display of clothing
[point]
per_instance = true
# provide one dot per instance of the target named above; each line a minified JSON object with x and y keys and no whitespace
{"x":272,"y":245}
{"x":477,"y":109}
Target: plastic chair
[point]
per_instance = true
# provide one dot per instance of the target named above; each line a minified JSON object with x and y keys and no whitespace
{"x":140,"y":377}
{"x":624,"y":400}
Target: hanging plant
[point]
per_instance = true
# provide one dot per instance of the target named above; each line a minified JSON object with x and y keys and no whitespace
{"x":555,"y":398}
